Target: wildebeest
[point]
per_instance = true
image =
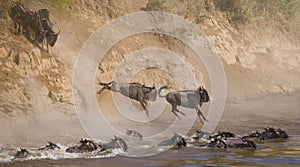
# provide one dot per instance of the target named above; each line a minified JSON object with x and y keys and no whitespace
{"x":187,"y":98}
{"x":134,"y":91}
{"x":85,"y":146}
{"x":115,"y":143}
{"x":42,"y":29}
{"x":223,"y":135}
{"x":23,"y":153}
{"x":51,"y":37}
{"x":39,"y":32}
{"x":217,"y":143}
{"x":267,"y":133}
{"x":22,"y":17}
{"x":197,"y":135}
{"x":175,"y":141}
{"x":221,"y":143}
{"x":49,"y":146}
{"x":134,"y":133}
{"x":38,"y":22}
{"x":244,"y":144}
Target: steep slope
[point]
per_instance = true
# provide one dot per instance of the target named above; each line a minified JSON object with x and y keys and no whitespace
{"x":260,"y":58}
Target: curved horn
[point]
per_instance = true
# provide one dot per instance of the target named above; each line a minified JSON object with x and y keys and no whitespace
{"x":115,"y":137}
{"x":58,"y":32}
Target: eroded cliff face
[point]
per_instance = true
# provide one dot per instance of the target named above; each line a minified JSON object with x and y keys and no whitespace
{"x":26,"y":69}
{"x":259,"y":59}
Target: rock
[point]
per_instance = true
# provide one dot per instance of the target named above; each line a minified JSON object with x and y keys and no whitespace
{"x":3,"y":52}
{"x":36,"y":52}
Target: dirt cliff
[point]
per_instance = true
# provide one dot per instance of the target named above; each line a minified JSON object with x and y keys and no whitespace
{"x":260,"y":57}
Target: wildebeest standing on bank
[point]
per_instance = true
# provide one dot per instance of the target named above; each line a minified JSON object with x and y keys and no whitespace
{"x":21,"y":17}
{"x":187,"y":98}
{"x":134,"y":91}
{"x":38,"y":22}
{"x":43,"y":32}
{"x":50,"y":36}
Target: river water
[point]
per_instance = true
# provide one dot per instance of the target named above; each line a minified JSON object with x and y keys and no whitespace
{"x":240,"y":117}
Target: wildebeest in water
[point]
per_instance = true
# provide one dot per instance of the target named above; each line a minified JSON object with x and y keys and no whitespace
{"x":187,"y":98}
{"x":23,"y":153}
{"x":134,"y":91}
{"x":85,"y":146}
{"x":115,"y":143}
{"x":134,"y":133}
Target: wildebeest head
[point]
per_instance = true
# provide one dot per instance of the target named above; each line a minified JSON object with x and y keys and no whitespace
{"x":151,"y":92}
{"x":204,"y":97}
{"x":52,"y":37}
{"x":22,"y":153}
{"x":43,"y":13}
{"x":282,"y":133}
{"x":115,"y":143}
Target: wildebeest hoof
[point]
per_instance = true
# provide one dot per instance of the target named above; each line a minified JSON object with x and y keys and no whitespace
{"x":147,"y":113}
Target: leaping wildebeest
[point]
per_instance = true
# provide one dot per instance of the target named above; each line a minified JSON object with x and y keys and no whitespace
{"x":134,"y":91}
{"x":187,"y":98}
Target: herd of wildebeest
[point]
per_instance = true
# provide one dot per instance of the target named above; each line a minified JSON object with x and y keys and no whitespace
{"x":186,"y":98}
{"x":36,"y":25}
{"x":219,"y":140}
{"x":38,"y":28}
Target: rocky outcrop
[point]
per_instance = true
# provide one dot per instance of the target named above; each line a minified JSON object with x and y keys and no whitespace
{"x":22,"y":66}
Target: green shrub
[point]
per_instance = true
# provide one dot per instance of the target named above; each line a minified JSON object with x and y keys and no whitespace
{"x":240,"y":12}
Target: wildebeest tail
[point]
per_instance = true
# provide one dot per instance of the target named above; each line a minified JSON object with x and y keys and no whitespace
{"x":160,"y":89}
{"x":105,"y":84}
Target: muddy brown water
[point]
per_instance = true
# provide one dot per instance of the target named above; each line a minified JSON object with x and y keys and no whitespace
{"x":241,"y":116}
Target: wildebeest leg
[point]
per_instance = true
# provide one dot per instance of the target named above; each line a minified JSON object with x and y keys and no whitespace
{"x":179,"y":111}
{"x":47,"y":48}
{"x":16,"y":27}
{"x":104,"y":87}
{"x":144,"y":107}
{"x":174,"y":109}
{"x":199,"y":113}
